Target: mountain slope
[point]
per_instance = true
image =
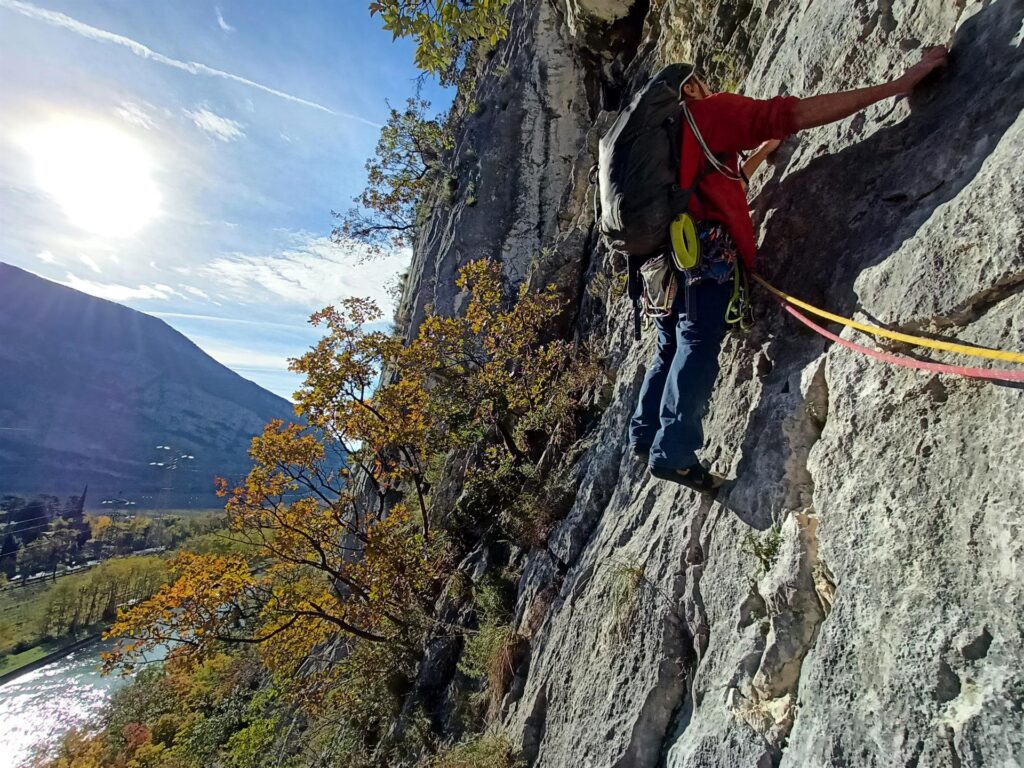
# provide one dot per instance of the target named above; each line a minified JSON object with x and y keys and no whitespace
{"x":89,"y":389}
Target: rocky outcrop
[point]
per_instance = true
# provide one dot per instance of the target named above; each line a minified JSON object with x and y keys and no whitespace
{"x":855,"y":599}
{"x":511,"y":165}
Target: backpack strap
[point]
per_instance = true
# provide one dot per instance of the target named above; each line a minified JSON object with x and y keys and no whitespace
{"x":712,"y":159}
{"x":679,"y":202}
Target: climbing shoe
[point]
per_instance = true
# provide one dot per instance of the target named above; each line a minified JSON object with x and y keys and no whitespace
{"x":695,"y":478}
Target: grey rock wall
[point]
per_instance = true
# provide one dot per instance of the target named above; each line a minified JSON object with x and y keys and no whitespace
{"x":511,"y":163}
{"x":886,"y":630}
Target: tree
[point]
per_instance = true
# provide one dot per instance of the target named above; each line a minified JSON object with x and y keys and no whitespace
{"x":28,"y":519}
{"x":405,"y":164}
{"x":62,"y":613}
{"x":38,"y":556}
{"x":335,"y":514}
{"x":444,"y":29}
{"x":63,"y":540}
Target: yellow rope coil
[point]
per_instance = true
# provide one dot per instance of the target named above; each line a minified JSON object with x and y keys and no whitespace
{"x":917,"y":341}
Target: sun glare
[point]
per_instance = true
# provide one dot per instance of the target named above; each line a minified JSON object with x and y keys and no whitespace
{"x":100,"y":176}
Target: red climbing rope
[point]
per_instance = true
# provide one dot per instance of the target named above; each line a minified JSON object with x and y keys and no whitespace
{"x":905,"y":362}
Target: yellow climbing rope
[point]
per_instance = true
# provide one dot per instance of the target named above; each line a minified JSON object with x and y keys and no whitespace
{"x":949,"y":346}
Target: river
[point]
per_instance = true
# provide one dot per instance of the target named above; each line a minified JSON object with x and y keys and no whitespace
{"x":39,"y":707}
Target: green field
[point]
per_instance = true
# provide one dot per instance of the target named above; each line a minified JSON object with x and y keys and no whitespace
{"x":20,"y":612}
{"x":18,"y":660}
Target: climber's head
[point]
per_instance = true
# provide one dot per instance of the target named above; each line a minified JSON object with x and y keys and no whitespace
{"x":694,"y":88}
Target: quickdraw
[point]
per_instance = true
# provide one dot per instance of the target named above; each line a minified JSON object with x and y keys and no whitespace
{"x":740,"y":311}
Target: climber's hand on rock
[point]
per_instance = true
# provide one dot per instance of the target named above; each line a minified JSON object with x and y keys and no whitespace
{"x":931,"y":59}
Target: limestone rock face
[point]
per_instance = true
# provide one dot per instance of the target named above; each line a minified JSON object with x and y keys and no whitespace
{"x":513,"y":161}
{"x":856,"y":598}
{"x":580,"y":14}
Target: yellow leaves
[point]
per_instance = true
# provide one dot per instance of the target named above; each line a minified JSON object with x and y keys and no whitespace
{"x":291,"y":444}
{"x":81,"y":749}
{"x":190,"y":611}
{"x":394,"y":565}
{"x":335,"y":513}
{"x":482,"y":279}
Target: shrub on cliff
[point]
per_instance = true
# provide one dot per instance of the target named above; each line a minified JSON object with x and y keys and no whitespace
{"x":486,"y":751}
{"x":335,"y":515}
{"x":444,"y":29}
{"x":405,"y":165}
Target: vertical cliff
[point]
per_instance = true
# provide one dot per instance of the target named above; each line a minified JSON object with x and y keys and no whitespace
{"x":856,"y":598}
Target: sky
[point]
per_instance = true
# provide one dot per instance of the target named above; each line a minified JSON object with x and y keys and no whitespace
{"x":184,"y":159}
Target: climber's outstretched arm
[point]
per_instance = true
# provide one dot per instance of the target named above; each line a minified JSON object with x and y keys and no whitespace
{"x":819,"y":110}
{"x":752,"y":163}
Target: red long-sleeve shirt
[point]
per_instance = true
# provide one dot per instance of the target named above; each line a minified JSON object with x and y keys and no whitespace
{"x":730,"y":124}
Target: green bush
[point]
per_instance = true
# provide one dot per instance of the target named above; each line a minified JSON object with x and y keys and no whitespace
{"x":766,"y":550}
{"x":492,"y":653}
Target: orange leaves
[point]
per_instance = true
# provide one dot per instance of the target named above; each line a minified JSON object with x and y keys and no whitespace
{"x":290,"y":444}
{"x":393,"y":565}
{"x":491,"y":366}
{"x":336,"y":512}
{"x":191,"y":611}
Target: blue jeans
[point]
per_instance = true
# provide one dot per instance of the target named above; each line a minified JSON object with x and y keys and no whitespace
{"x":678,"y":384}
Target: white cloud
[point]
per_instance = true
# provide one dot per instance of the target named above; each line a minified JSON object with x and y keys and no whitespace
{"x":313,"y":274}
{"x":221,"y":23}
{"x":197,"y":292}
{"x":221,"y":128}
{"x":136,"y":114}
{"x":228,"y":320}
{"x":90,"y":262}
{"x":46,"y":257}
{"x":243,"y":358}
{"x":117,"y":292}
{"x":192,"y":67}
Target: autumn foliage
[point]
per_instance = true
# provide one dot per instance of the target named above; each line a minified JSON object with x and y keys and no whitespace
{"x":336,"y":522}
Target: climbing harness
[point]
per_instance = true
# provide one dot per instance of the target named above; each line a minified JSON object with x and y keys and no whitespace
{"x":790,"y":304}
{"x":906,"y":338}
{"x":686,"y":240}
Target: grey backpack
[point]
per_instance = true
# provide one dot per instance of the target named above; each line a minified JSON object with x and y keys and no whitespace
{"x":638,"y":175}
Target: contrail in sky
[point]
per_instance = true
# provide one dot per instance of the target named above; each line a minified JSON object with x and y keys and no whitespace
{"x":235,"y":320}
{"x":192,"y":67}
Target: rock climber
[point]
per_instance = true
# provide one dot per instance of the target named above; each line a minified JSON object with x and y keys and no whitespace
{"x":665,"y":430}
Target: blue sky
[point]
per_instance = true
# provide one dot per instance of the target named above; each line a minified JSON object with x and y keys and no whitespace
{"x":184,"y":159}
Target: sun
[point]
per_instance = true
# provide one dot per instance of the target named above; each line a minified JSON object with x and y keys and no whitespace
{"x":99,"y":175}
